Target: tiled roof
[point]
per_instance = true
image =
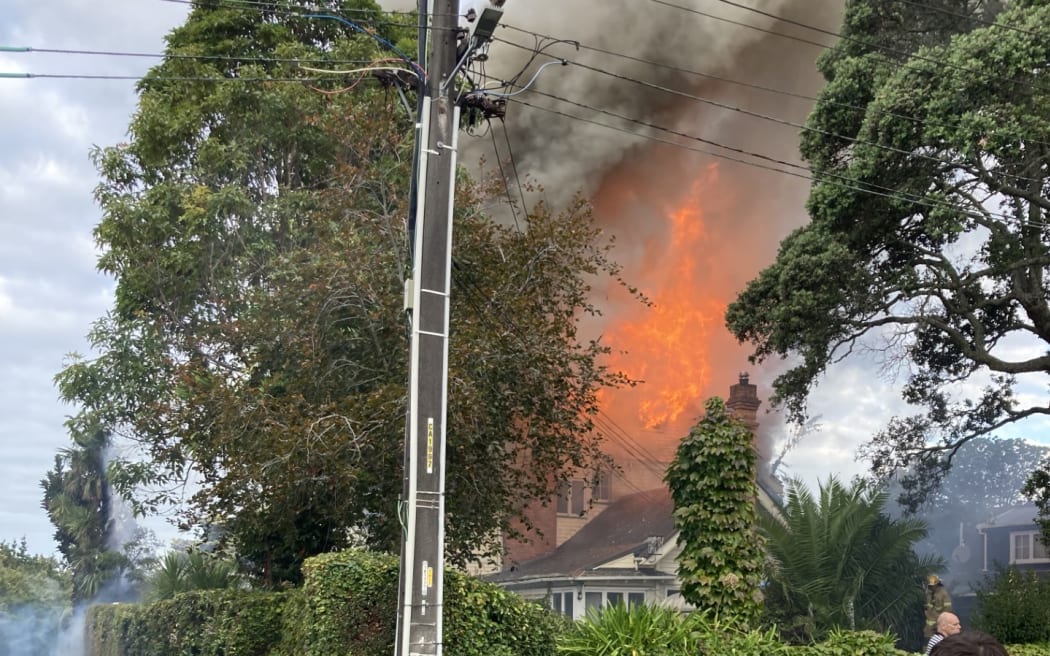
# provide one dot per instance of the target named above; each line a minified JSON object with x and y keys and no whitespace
{"x":622,"y":528}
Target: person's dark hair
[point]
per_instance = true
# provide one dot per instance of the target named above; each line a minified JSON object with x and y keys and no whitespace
{"x":969,"y":643}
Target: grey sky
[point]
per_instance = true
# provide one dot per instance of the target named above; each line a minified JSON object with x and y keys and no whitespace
{"x":50,"y":292}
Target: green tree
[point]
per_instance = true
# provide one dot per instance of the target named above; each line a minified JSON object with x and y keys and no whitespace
{"x":929,"y":225}
{"x":712,"y":481}
{"x":78,"y":500}
{"x":257,"y":342}
{"x":181,"y":571}
{"x":27,"y":579}
{"x":34,"y":600}
{"x":838,"y":561}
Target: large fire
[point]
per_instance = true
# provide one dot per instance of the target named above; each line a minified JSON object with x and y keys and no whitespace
{"x":685,"y":247}
{"x":665,"y":346}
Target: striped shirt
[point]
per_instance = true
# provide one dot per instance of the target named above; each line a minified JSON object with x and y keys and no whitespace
{"x":934,"y":639}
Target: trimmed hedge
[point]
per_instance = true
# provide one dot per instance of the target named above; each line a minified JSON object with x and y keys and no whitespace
{"x":204,"y":623}
{"x":347,"y":605}
{"x":350,"y":598}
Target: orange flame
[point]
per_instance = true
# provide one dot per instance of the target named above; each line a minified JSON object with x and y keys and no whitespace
{"x":666,"y":346}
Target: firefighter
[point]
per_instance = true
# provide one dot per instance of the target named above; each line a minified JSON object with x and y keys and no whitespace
{"x":937,"y":601}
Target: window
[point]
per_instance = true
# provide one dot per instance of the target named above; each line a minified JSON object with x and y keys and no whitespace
{"x":594,"y":601}
{"x":601,"y":490}
{"x":613,"y":598}
{"x":1027,"y":547}
{"x":563,"y":498}
{"x":577,"y":498}
{"x":635,"y":599}
{"x":570,"y":498}
{"x":561,"y":602}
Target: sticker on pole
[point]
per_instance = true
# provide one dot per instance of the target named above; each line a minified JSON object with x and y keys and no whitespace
{"x":430,"y":445}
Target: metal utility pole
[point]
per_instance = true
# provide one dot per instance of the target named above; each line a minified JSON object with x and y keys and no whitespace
{"x":419,"y":626}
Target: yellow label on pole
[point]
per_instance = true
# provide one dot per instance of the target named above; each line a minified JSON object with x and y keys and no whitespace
{"x":430,"y":445}
{"x":430,"y":577}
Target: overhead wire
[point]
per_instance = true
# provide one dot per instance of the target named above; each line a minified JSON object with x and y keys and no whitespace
{"x":980,"y":21}
{"x":983,"y":73}
{"x":175,"y":56}
{"x":829,"y":177}
{"x":761,"y":116}
{"x":506,"y":181}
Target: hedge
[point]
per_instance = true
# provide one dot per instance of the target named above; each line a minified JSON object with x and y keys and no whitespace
{"x":347,"y":606}
{"x":204,"y":623}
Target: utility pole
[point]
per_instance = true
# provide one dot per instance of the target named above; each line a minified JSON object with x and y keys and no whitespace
{"x":420,"y":603}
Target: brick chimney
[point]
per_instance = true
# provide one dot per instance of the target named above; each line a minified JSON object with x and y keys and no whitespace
{"x":743,"y":402}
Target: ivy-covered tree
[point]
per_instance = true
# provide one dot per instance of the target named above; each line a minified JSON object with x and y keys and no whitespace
{"x":257,"y":344}
{"x":712,"y":482}
{"x":930,"y":231}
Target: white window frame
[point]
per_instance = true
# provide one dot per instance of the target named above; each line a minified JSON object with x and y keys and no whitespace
{"x":1030,"y":541}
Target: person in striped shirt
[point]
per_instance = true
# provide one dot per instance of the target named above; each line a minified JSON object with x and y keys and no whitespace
{"x":947,"y":625}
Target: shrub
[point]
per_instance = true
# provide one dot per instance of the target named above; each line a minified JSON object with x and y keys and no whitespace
{"x":204,"y":623}
{"x":349,"y":605}
{"x":853,"y":643}
{"x":1014,"y":607}
{"x":1028,"y":650}
{"x":620,"y":630}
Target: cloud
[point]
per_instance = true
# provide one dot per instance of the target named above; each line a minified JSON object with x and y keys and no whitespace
{"x":49,"y":290}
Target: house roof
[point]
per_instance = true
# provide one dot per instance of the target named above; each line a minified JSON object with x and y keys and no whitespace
{"x":1016,"y":516}
{"x":622,"y":528}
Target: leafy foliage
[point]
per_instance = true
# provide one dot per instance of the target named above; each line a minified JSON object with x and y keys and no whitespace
{"x":35,"y":594}
{"x":77,"y":498}
{"x":180,"y":571}
{"x":712,"y":481}
{"x":930,"y":238}
{"x":209,"y":623}
{"x":347,"y":605}
{"x":1014,"y":606}
{"x":837,"y":562}
{"x":257,"y":342}
{"x":622,"y":630}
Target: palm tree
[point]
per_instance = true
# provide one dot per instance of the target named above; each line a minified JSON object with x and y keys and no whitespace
{"x":194,"y":570}
{"x":838,"y":561}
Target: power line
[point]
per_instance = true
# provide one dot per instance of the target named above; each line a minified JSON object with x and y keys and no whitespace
{"x":827,"y":176}
{"x":718,"y":78}
{"x":773,"y":119}
{"x":173,"y":56}
{"x":974,"y":19}
{"x":985,"y":73}
{"x":149,"y":78}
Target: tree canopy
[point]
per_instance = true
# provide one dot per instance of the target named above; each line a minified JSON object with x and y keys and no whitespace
{"x":257,"y":346}
{"x":929,"y":240}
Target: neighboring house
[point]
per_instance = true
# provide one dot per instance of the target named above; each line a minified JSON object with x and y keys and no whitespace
{"x":612,"y":540}
{"x":626,"y":554}
{"x":1013,"y":539}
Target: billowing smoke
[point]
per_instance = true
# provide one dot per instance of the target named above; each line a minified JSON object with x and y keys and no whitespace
{"x":691,"y":229}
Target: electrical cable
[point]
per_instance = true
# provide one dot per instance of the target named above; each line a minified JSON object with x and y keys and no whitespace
{"x":772,"y":119}
{"x":827,"y":176}
{"x":514,"y":168}
{"x":979,"y":21}
{"x":709,"y":76}
{"x":114,"y":53}
{"x":984,"y":73}
{"x":506,"y":181}
{"x":422,"y":74}
{"x":148,"y":78}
